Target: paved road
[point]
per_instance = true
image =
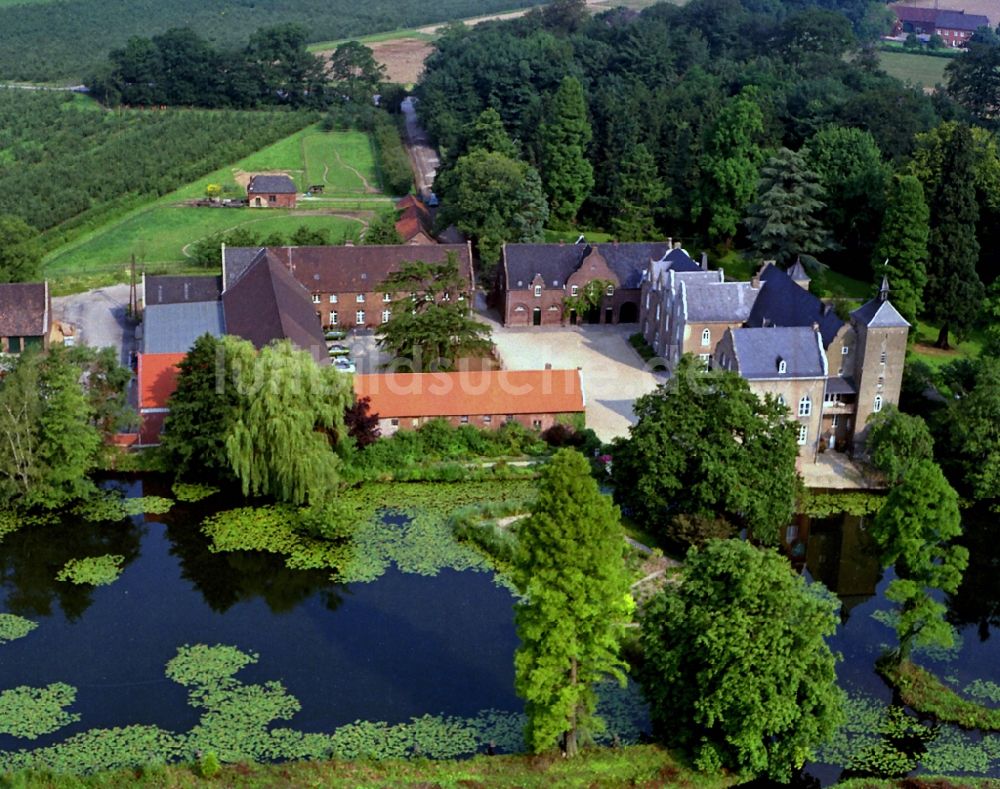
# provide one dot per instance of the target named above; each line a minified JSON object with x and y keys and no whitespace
{"x":99,"y":318}
{"x":423,"y":157}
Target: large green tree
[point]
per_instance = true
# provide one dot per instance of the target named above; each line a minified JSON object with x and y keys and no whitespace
{"x":570,"y":567}
{"x":204,"y":407}
{"x":954,"y":292}
{"x":784,"y":223}
{"x":705,"y":445}
{"x":567,"y":175}
{"x":494,"y":199}
{"x":355,"y":73}
{"x":736,"y":669}
{"x":974,"y":78}
{"x":729,"y":166}
{"x":431,"y":324}
{"x":20,"y":253}
{"x":639,"y":196}
{"x":897,"y":442}
{"x":973,"y":433}
{"x":912,"y":530}
{"x":291,"y":419}
{"x":901,"y":250}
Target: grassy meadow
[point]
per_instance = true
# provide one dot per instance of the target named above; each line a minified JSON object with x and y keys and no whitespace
{"x":924,"y":70}
{"x":159,"y":233}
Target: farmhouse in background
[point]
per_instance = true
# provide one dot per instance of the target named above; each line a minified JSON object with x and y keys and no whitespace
{"x":414,"y":222}
{"x":25,"y":316}
{"x":271,"y":191}
{"x":535,"y":399}
{"x":954,"y":27}
{"x":547,"y":284}
{"x":345,"y":282}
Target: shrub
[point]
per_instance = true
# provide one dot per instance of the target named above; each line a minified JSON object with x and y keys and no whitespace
{"x":209,"y":765}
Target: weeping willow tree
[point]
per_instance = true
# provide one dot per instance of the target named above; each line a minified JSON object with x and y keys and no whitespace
{"x":282,"y":441}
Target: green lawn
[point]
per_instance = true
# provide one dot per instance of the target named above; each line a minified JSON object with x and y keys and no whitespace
{"x":158,"y":233}
{"x":570,"y":236}
{"x":923,"y":348}
{"x":924,"y":70}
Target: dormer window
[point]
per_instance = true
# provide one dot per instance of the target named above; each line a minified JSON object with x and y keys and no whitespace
{"x":782,"y":366}
{"x":333,"y":298}
{"x":538,"y":291}
{"x":386,"y":297}
{"x":575,"y":291}
{"x":706,"y":337}
{"x":315,"y":298}
{"x":360,"y":298}
{"x":611,"y":290}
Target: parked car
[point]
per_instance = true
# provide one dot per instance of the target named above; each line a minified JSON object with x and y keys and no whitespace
{"x":338,"y":349}
{"x":335,"y":334}
{"x":344,"y":365}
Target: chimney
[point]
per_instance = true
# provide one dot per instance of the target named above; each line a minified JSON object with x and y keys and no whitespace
{"x":815,"y":326}
{"x":677,"y":244}
{"x":704,"y":261}
{"x":670,"y":242}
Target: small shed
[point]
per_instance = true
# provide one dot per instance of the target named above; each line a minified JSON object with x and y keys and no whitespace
{"x":271,"y":191}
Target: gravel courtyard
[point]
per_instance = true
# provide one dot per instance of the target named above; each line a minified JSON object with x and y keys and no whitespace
{"x":614,"y":375}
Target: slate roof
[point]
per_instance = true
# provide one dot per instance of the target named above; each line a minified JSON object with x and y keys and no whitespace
{"x":271,"y":185}
{"x":840,"y":385}
{"x":879,"y":314}
{"x":344,"y":269}
{"x":176,"y":290}
{"x":783,"y":303}
{"x":475,"y":393}
{"x":24,"y":309}
{"x":728,"y":302}
{"x":959,"y":20}
{"x":173,"y":328}
{"x":556,"y":262}
{"x":758,"y":352}
{"x":798,"y":272}
{"x":267,"y":304}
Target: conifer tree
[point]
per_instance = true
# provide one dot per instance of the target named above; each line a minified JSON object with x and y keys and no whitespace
{"x":639,"y":195}
{"x":954,"y":291}
{"x":567,"y":175}
{"x":901,"y":251}
{"x":784,"y":223}
{"x":488,"y":133}
{"x":570,"y":568}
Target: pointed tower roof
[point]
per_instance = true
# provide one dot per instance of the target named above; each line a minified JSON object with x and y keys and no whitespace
{"x":798,"y":274}
{"x":883,"y":291}
{"x":879,"y":312}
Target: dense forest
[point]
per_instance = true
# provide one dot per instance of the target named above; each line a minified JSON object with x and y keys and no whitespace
{"x":64,"y":41}
{"x":64,"y":162}
{"x":724,"y":122}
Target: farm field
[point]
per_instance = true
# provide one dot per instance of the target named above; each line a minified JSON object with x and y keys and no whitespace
{"x":159,"y":234}
{"x":924,"y":70}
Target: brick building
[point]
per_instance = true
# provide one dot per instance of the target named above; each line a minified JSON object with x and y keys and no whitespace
{"x":540,"y":284}
{"x":271,"y":191}
{"x":954,"y":27}
{"x":536,"y":399}
{"x":344,"y":282}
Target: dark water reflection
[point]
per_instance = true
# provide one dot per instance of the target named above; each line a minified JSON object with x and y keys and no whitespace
{"x":403,"y":646}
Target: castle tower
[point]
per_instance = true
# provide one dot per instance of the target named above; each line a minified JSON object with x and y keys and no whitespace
{"x":798,"y":274}
{"x":881,"y":347}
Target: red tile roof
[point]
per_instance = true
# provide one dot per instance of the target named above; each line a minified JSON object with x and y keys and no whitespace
{"x":157,"y":378}
{"x":472,"y":393}
{"x":414,"y":219}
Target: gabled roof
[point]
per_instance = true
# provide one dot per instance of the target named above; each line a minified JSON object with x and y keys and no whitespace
{"x":267,"y":304}
{"x":157,"y":374}
{"x":401,"y":395}
{"x":556,"y":262}
{"x":784,"y":303}
{"x":344,"y":269}
{"x":173,"y":328}
{"x":728,"y":302}
{"x":24,"y":309}
{"x":413,"y":220}
{"x":959,"y":20}
{"x":271,"y":185}
{"x":175,"y":290}
{"x":879,"y":314}
{"x":760,"y":351}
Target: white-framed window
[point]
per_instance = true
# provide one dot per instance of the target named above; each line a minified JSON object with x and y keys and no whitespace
{"x":386,"y":297}
{"x":805,"y":406}
{"x":461,"y":297}
{"x":360,"y":298}
{"x":835,"y":420}
{"x":360,"y":317}
{"x":803,"y":434}
{"x":832,"y":399}
{"x":781,"y":400}
{"x":844,"y":350}
{"x":536,"y":423}
{"x":315,"y":298}
{"x":706,"y":337}
{"x":509,"y":418}
{"x":611,"y":290}
{"x":386,"y":315}
{"x":333,"y":298}
{"x":394,"y":422}
{"x":782,"y":367}
{"x":877,"y":405}
{"x":446,"y":296}
{"x":487,"y":420}
{"x":657,"y":312}
{"x":464,"y":420}
{"x":574,"y":290}
{"x":538,"y":291}
{"x":333,"y":318}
